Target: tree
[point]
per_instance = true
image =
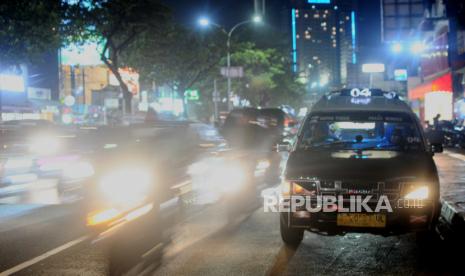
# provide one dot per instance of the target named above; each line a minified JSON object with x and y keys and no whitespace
{"x":120,"y":23}
{"x":177,"y":56}
{"x":268,"y":78}
{"x":29,"y":28}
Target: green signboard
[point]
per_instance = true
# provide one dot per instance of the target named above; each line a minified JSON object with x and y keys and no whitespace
{"x":192,"y":95}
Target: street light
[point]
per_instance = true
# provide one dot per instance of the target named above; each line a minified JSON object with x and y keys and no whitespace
{"x":257,"y":19}
{"x":417,"y":47}
{"x":205,"y":22}
{"x":396,"y":47}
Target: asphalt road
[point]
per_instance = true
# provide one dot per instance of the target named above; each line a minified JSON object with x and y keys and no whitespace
{"x":206,"y":243}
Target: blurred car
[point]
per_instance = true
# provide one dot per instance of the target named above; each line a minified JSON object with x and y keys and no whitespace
{"x":258,"y":131}
{"x":33,"y":150}
{"x":145,"y":175}
{"x":284,"y":122}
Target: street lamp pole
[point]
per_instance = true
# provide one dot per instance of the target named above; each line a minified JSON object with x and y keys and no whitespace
{"x":228,"y":65}
{"x":228,"y":59}
{"x":206,"y":22}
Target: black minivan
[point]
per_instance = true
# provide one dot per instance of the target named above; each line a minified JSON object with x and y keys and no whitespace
{"x":361,"y":163}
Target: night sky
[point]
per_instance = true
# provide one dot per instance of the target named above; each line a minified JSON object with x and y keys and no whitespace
{"x":229,"y":12}
{"x":224,"y":12}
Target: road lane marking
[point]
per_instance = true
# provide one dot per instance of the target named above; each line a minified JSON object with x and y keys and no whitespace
{"x":43,"y":256}
{"x":455,"y":155}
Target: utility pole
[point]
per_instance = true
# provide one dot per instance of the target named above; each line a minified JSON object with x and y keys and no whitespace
{"x":216,"y":99}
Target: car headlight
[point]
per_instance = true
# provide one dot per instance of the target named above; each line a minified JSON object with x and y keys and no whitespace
{"x":231,"y":176}
{"x":128,"y":187}
{"x":420,"y":193}
{"x":291,"y":188}
{"x":78,"y":170}
{"x":44,"y":145}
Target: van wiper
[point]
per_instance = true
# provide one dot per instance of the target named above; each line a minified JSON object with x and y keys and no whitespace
{"x":307,"y":146}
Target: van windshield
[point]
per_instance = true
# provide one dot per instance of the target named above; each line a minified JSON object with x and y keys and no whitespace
{"x":360,"y":131}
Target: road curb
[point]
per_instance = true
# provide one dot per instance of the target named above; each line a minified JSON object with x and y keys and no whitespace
{"x":452,"y":219}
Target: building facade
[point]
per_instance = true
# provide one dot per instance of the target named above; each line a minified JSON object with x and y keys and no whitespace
{"x":324,"y":41}
{"x":442,"y":63}
{"x":400,"y":19}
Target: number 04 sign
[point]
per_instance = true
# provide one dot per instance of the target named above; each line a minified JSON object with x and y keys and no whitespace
{"x":360,"y":93}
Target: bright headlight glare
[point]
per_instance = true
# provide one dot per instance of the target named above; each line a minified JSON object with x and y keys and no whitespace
{"x":79,"y":170}
{"x":286,"y":188}
{"x":418,"y":194}
{"x":45,"y":145}
{"x":263,"y":164}
{"x":126,"y":187}
{"x":231,"y":176}
{"x":102,"y":216}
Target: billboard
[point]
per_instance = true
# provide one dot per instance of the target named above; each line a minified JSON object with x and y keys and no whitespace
{"x":12,"y":83}
{"x":87,"y":54}
{"x":400,"y":75}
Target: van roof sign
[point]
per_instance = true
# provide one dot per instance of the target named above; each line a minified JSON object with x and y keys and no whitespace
{"x":363,"y":93}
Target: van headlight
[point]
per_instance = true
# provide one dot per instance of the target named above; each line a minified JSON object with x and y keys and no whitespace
{"x":127,"y":187}
{"x":420,"y":193}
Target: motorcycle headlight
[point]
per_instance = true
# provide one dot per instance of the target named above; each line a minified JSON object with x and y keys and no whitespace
{"x":420,"y":193}
{"x":128,"y":187}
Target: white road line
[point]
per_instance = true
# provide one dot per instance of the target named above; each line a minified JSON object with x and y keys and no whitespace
{"x":455,"y":155}
{"x":43,"y":256}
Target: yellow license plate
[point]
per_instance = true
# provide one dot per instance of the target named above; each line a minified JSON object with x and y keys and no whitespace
{"x":362,"y":220}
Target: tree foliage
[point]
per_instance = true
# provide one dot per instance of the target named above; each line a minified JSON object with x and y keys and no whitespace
{"x":268,"y":79}
{"x":177,"y":56}
{"x":29,"y":28}
{"x":119,"y":24}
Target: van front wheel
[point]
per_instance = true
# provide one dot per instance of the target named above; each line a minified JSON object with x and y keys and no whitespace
{"x":291,"y":236}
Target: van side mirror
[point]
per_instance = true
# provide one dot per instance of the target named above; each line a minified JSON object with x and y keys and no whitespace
{"x":436,"y":140}
{"x":437,"y":148}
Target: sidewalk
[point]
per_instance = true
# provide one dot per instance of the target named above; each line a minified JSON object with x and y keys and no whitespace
{"x":451,"y":167}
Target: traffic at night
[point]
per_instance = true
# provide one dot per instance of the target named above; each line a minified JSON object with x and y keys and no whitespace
{"x":233,"y":137}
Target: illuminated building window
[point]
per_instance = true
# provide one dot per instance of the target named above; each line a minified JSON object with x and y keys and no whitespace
{"x":297,"y":36}
{"x":347,"y":18}
{"x":316,"y":15}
